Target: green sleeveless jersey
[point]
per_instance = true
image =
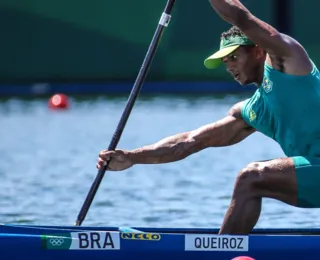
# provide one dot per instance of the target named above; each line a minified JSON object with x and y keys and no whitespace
{"x":286,"y":108}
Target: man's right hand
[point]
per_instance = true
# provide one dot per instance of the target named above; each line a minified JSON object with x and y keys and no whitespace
{"x":119,"y":160}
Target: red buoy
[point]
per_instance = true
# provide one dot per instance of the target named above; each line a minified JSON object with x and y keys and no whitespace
{"x":58,"y":101}
{"x":243,"y":258}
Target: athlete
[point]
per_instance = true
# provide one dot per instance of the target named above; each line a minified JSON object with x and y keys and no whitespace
{"x":285,"y":107}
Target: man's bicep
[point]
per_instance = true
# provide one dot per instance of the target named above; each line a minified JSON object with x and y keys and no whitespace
{"x":282,"y":49}
{"x":241,"y":135}
{"x":224,"y":132}
{"x":266,"y":36}
{"x":238,"y":129}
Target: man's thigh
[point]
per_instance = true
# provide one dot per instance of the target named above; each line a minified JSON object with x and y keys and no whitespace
{"x":277,"y":179}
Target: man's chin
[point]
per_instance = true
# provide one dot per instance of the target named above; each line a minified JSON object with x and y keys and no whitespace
{"x":245,"y":83}
{"x":241,"y":82}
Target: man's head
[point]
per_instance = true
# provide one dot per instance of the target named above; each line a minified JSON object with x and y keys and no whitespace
{"x":243,"y":59}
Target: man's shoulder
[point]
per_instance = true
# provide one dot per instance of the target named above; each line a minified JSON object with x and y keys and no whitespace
{"x":236,"y":109}
{"x":297,"y":60}
{"x":292,"y":42}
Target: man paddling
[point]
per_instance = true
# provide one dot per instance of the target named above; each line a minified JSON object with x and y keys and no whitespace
{"x":285,"y":107}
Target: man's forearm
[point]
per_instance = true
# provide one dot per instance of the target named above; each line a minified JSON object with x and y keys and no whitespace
{"x":173,"y":148}
{"x":231,"y":11}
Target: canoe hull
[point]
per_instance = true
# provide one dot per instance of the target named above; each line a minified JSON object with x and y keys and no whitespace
{"x":64,"y":242}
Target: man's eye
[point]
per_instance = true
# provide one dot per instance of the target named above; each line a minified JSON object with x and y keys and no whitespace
{"x":233,"y":57}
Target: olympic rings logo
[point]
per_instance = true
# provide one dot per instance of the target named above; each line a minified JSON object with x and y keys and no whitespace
{"x":56,"y":241}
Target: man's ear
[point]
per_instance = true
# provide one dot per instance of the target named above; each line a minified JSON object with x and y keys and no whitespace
{"x":259,"y":52}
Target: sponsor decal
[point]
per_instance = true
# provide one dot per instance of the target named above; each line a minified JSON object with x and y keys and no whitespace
{"x":201,"y":242}
{"x":141,"y":236}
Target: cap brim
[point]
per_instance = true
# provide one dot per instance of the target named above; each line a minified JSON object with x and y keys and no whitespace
{"x":214,"y":60}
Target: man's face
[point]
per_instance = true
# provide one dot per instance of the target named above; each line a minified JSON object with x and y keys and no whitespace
{"x":243,"y":64}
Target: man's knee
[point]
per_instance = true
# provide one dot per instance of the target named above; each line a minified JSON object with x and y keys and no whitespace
{"x":252,"y":174}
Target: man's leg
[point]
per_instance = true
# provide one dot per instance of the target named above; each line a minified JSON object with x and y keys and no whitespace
{"x":269,"y":179}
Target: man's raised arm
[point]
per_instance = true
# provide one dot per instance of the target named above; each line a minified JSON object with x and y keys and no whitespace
{"x":261,"y":33}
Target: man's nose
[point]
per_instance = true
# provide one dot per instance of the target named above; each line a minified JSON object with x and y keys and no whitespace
{"x":230,"y":68}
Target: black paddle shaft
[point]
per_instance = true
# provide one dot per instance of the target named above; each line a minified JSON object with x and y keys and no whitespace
{"x":164,"y":21}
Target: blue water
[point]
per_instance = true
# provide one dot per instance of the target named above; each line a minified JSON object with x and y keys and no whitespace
{"x":48,"y":158}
